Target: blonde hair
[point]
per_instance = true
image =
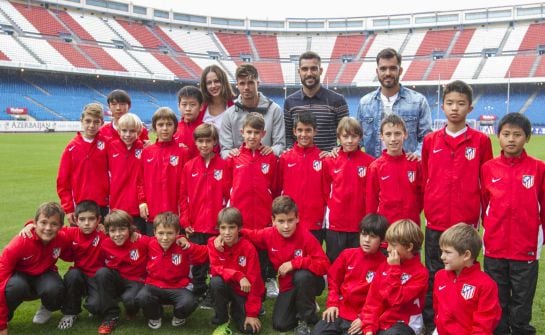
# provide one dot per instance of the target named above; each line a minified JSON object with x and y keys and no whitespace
{"x":130,"y":120}
{"x":350,"y":126}
{"x":93,"y":109}
{"x":462,"y":237}
{"x":405,"y":232}
{"x":168,"y":220}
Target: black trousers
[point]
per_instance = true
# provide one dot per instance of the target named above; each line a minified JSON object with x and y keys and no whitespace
{"x":337,"y":241}
{"x":397,"y":329}
{"x":141,"y":224}
{"x":228,"y":302}
{"x":299,"y":303}
{"x":517,"y":281}
{"x":79,"y":285}
{"x":338,"y":327}
{"x":48,"y":287}
{"x":319,"y":234}
{"x":111,"y":287}
{"x":200,"y":272}
{"x":433,"y":264}
{"x":151,"y":299}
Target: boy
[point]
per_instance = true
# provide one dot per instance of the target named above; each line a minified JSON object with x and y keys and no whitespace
{"x":161,"y":170}
{"x":394,"y":185}
{"x":396,"y":297}
{"x":124,"y":163}
{"x":27,"y":267}
{"x":513,"y":188}
{"x":345,"y":179}
{"x":204,"y":192}
{"x":451,"y":165}
{"x":125,"y":270}
{"x":168,"y":280}
{"x":349,"y":278}
{"x":465,"y":299}
{"x":300,"y":262}
{"x":119,"y":103}
{"x":189,"y":104}
{"x":300,"y":175}
{"x":236,"y":277}
{"x":83,"y":168}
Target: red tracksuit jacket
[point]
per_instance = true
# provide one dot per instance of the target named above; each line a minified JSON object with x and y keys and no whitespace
{"x":129,"y":259}
{"x":345,"y":178}
{"x":466,"y":304}
{"x":204,"y":191}
{"x":170,"y":269}
{"x":83,"y":173}
{"x":235,"y":263}
{"x":300,"y":175}
{"x":84,"y":250}
{"x":29,"y":256}
{"x":301,"y":248}
{"x":394,"y":188}
{"x":160,"y":175}
{"x":184,"y":134}
{"x":124,"y":166}
{"x":513,"y":196}
{"x":110,"y":133}
{"x":253,"y":188}
{"x":451,"y":169}
{"x":396,"y":294}
{"x":349,"y":279}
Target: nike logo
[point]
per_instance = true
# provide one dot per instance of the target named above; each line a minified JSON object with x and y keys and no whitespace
{"x":337,"y":171}
{"x":350,"y":268}
{"x":27,"y":258}
{"x":150,"y":159}
{"x":221,"y":259}
{"x":274,"y":250}
{"x":239,"y":166}
{"x":153,"y":257}
{"x":442,"y":287}
{"x":74,"y":243}
{"x":115,"y":155}
{"x":385,"y":177}
{"x":71,"y":148}
{"x":495,"y":180}
{"x":384,"y":273}
{"x":437,"y":150}
{"x":194,"y":174}
{"x":291,"y":164}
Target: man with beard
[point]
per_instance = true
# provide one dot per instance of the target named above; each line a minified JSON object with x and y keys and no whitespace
{"x":393,"y":98}
{"x":327,"y":106}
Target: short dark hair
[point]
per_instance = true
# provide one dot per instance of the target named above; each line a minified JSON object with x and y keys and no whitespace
{"x":118,"y":96}
{"x":118,"y":218}
{"x":246,"y":71}
{"x":517,"y":120}
{"x":395,"y":120}
{"x":309,"y":55}
{"x":167,"y":219}
{"x":190,"y":92}
{"x":461,"y":87}
{"x":206,"y":130}
{"x":49,"y":209}
{"x":284,"y":205}
{"x":462,"y":237}
{"x":230,"y":215}
{"x":389,"y":53}
{"x":305,"y":117}
{"x":87,"y":206}
{"x":163,"y":113}
{"x":374,"y":224}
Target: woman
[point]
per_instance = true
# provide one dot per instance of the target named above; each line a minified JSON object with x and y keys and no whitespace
{"x":217,"y":93}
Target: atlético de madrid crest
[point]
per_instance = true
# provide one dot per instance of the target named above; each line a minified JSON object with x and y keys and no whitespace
{"x":176,"y":259}
{"x":317,"y":165}
{"x":470,"y":153}
{"x":468,"y":291}
{"x":527,"y":181}
{"x":264,"y":168}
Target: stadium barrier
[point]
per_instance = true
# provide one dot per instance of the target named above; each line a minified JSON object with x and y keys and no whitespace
{"x":38,"y":126}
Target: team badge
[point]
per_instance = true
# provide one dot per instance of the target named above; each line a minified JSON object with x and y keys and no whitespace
{"x":218,"y":174}
{"x":134,"y":255}
{"x":411,"y":175}
{"x":242,"y":261}
{"x":527,"y":181}
{"x":138,"y":153}
{"x":298,"y":253}
{"x":56,"y":252}
{"x":100,"y":145}
{"x":176,"y":259}
{"x":405,"y":278}
{"x":173,"y":160}
{"x":468,"y":291}
{"x":264,"y":168}
{"x":361,"y":171}
{"x":96,"y":241}
{"x":369,"y":277}
{"x":317,"y":165}
{"x":470,"y":153}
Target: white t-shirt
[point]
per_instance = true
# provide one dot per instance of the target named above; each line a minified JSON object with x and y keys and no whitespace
{"x":215,"y":120}
{"x":387,"y":104}
{"x":456,"y":134}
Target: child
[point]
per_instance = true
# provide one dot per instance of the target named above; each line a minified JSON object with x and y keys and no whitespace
{"x":513,"y":188}
{"x":168,"y":280}
{"x":236,"y":281}
{"x":125,"y":270}
{"x":161,"y":170}
{"x":124,"y":163}
{"x":27,"y":267}
{"x":394,"y":185}
{"x":345,"y":178}
{"x":189,"y":104}
{"x":204,"y":192}
{"x":300,"y":174}
{"x":465,"y":299}
{"x":83,"y":168}
{"x":451,"y":164}
{"x":396,"y":297}
{"x":119,"y":103}
{"x":349,"y":278}
{"x":300,"y":262}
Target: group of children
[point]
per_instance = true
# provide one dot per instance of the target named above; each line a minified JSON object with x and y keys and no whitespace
{"x":366,"y":211}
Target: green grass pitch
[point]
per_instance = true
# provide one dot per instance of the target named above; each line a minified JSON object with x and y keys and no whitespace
{"x":28,"y":165}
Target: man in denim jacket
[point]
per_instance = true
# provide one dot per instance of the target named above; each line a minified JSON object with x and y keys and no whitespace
{"x":391,"y":97}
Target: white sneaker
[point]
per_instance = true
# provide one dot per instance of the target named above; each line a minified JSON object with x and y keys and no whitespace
{"x":154,"y":324}
{"x":176,"y":322}
{"x":272,"y":288}
{"x":67,"y":321}
{"x":42,"y":315}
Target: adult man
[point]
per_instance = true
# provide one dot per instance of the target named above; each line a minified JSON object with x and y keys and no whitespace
{"x":327,"y":106}
{"x":250,"y":100}
{"x":392,"y":97}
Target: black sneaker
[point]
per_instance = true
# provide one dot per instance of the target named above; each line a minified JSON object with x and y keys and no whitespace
{"x":208,"y":301}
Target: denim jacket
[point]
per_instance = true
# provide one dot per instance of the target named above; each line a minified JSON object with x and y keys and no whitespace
{"x":410,"y":105}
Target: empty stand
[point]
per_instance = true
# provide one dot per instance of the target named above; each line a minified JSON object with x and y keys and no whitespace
{"x":41,"y":18}
{"x":95,"y":26}
{"x":443,"y":69}
{"x":516,"y":35}
{"x":102,"y":58}
{"x":3,"y":56}
{"x":290,"y":45}
{"x":267,"y":46}
{"x":125,"y":60}
{"x":191,"y":41}
{"x":163,"y":36}
{"x":235,"y":44}
{"x":417,"y":69}
{"x":435,"y":40}
{"x":486,"y":38}
{"x":466,"y":68}
{"x":18,"y":18}
{"x":464,"y":37}
{"x":74,"y":26}
{"x":345,"y":46}
{"x":172,"y":65}
{"x":534,"y":37}
{"x":14,"y":51}
{"x":144,"y":36}
{"x":270,"y":72}
{"x":46,"y":52}
{"x":72,"y":54}
{"x":122,"y":33}
{"x":521,"y":66}
{"x":496,"y":67}
{"x":150,"y":63}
